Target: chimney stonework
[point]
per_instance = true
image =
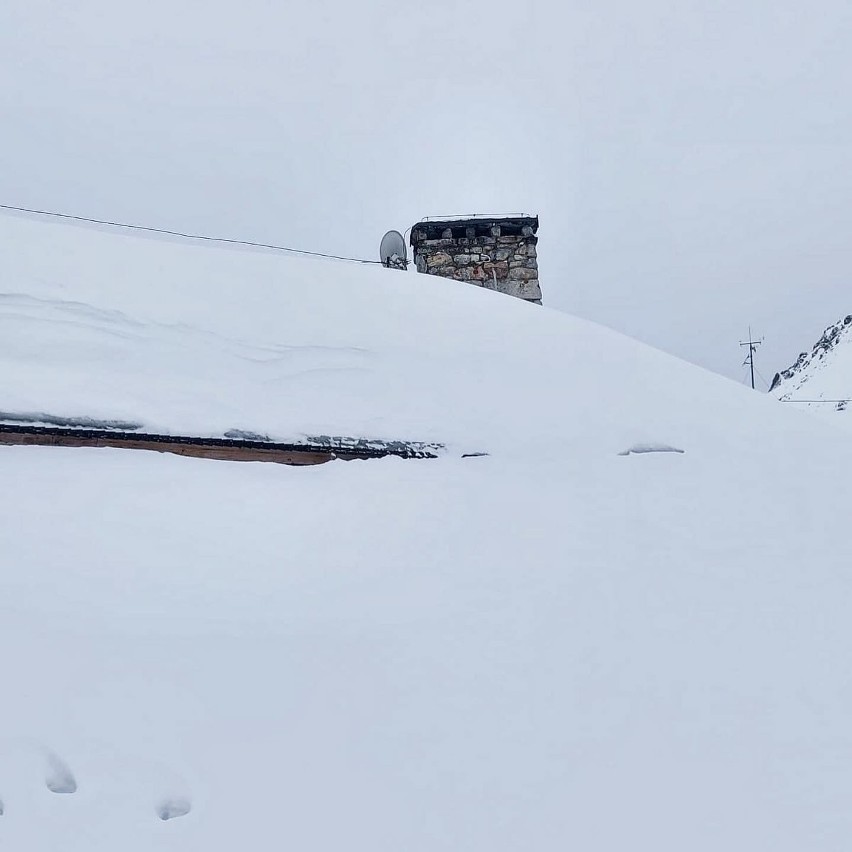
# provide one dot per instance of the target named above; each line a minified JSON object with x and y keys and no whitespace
{"x":498,"y":253}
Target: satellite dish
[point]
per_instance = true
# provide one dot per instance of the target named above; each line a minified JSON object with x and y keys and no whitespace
{"x":392,"y":251}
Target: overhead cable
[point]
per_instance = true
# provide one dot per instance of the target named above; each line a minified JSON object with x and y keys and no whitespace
{"x":151,"y":230}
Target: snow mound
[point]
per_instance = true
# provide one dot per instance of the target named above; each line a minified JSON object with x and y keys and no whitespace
{"x":641,"y":449}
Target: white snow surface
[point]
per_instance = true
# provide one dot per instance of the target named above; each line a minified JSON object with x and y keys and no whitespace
{"x":552,"y":647}
{"x":199,"y":340}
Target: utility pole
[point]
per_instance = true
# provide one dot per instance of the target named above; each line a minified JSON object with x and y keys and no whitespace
{"x":752,"y":346}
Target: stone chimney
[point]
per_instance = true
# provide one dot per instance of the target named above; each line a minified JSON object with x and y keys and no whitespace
{"x":498,"y":253}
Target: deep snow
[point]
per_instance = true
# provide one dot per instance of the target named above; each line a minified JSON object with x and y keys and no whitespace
{"x":201,"y":340}
{"x":552,"y":647}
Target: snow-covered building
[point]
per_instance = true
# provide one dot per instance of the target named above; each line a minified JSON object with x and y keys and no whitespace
{"x":498,"y":253}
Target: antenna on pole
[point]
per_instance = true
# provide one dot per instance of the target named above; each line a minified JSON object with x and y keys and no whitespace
{"x":752,"y":347}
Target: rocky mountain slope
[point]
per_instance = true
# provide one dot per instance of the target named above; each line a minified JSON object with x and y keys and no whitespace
{"x":822,"y":378}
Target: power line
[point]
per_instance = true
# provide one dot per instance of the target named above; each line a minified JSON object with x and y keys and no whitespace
{"x":813,"y":401}
{"x":151,"y":230}
{"x":762,"y":378}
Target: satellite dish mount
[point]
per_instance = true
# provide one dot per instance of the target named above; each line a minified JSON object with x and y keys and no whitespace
{"x":392,"y":251}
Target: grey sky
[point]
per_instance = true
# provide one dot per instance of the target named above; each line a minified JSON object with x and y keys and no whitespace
{"x":691,"y":162}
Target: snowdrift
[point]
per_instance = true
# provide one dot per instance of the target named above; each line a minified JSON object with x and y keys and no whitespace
{"x":200,"y":340}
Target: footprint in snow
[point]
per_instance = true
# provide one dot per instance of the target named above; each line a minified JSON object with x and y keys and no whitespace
{"x":171,"y":808}
{"x":59,"y":778}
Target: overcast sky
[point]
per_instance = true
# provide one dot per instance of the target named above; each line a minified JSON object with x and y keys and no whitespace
{"x":691,"y":162}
